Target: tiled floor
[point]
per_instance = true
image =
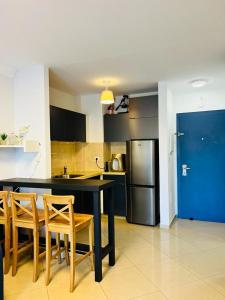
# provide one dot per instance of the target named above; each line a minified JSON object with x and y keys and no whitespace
{"x":185,"y":262}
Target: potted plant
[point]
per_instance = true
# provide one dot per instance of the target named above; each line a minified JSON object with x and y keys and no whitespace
{"x":3,"y":138}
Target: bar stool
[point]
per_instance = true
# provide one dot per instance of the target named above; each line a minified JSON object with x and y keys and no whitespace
{"x":5,"y":219}
{"x":64,"y":220}
{"x":26,"y":215}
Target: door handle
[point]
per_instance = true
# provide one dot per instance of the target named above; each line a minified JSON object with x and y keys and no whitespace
{"x":184,"y":169}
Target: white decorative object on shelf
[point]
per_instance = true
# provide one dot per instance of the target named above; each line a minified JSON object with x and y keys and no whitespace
{"x":12,"y":139}
{"x":22,"y":132}
{"x":31,"y":146}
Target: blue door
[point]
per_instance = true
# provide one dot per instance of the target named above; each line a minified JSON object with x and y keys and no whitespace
{"x":201,"y":165}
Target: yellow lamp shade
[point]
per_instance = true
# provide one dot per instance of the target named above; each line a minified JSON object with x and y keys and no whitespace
{"x":107,"y":97}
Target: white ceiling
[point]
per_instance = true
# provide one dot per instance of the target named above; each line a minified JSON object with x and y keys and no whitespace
{"x":136,"y":43}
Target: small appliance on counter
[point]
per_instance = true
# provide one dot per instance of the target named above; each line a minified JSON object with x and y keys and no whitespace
{"x":118,"y":162}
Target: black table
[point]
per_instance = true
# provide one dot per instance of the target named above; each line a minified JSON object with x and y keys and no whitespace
{"x":89,"y":185}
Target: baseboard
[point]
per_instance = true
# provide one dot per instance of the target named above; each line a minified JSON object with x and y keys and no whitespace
{"x":167,"y":226}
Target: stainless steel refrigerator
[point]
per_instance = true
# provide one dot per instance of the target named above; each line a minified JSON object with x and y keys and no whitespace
{"x":143,"y":182}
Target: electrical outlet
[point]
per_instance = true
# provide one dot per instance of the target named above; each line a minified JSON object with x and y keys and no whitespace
{"x":97,"y":158}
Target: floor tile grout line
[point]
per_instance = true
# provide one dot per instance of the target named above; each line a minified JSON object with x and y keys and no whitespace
{"x":104,"y":292}
{"x":146,"y":294}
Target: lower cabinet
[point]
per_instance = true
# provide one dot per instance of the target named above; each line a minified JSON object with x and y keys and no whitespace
{"x":119,"y":195}
{"x":83,"y":203}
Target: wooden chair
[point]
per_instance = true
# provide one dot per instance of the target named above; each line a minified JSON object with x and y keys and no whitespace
{"x":26,"y":215}
{"x":64,"y":220}
{"x":5,"y":219}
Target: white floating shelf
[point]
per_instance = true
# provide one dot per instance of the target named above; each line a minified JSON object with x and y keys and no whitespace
{"x":28,"y":146}
{"x":11,"y":146}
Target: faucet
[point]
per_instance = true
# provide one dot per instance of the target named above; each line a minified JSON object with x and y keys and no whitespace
{"x":65,"y":175}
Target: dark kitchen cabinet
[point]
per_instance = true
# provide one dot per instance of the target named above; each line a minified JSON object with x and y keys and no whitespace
{"x":76,"y":124}
{"x":144,"y":128}
{"x":66,"y":125}
{"x":119,"y":195}
{"x":78,"y":203}
{"x":83,"y":203}
{"x":57,"y":123}
{"x":143,"y":117}
{"x":143,"y":107}
{"x":140,"y":123}
{"x":116,"y":128}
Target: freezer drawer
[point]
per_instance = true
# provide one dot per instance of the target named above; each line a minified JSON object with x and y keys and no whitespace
{"x":141,"y":206}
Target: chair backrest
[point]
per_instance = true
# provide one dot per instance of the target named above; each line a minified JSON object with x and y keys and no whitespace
{"x":59,"y":209}
{"x":4,"y":207}
{"x":25,"y":209}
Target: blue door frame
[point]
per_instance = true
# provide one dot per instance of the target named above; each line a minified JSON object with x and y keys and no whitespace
{"x":201,"y":146}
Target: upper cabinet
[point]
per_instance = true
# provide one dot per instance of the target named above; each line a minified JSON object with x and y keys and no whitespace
{"x":143,"y":107}
{"x":116,"y":128}
{"x":143,"y":128}
{"x":66,"y":125}
{"x":140,"y":123}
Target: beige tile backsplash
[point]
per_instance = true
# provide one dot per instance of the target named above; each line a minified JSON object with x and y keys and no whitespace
{"x":80,"y":157}
{"x":76,"y":156}
{"x":118,"y":147}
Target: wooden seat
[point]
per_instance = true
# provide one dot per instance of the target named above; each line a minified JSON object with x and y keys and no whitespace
{"x":5,"y":219}
{"x":26,"y":215}
{"x":63,"y":220}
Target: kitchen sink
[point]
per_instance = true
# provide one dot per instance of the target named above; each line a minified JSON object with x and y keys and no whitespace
{"x":69,"y":176}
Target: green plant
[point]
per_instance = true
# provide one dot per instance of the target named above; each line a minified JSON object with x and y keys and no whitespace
{"x":4,"y":136}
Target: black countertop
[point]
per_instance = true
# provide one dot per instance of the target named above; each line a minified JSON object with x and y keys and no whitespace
{"x":90,"y":185}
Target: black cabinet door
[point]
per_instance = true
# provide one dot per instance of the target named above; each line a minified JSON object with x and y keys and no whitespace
{"x":57,"y":124}
{"x":119,"y":195}
{"x":78,"y":203}
{"x":79,"y":127}
{"x":116,"y":128}
{"x":144,"y":128}
{"x":143,"y":107}
{"x":76,"y":126}
{"x":67,"y":125}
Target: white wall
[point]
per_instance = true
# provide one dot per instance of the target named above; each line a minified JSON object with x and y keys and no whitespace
{"x":166,"y":125}
{"x":7,"y":156}
{"x":211,"y":97}
{"x":64,"y":100}
{"x":91,"y":106}
{"x":202,"y":99}
{"x":31,"y":107}
{"x":173,"y":100}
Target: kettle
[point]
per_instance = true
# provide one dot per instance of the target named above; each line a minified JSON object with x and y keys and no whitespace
{"x":118,"y":162}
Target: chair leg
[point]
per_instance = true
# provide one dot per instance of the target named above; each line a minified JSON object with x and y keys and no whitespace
{"x":48,"y":257}
{"x":30,"y":239}
{"x":15,"y":250}
{"x":36,"y":255}
{"x":7,"y":247}
{"x":66,"y":245}
{"x":58,"y":247}
{"x":72,"y":260}
{"x":91,"y":241}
